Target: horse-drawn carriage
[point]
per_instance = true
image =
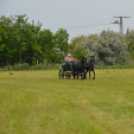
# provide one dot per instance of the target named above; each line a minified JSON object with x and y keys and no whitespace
{"x":79,"y":68}
{"x":66,"y":72}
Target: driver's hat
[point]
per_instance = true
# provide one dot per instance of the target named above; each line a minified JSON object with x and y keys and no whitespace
{"x":69,"y":54}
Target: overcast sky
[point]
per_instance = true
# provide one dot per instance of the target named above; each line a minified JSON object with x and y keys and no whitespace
{"x":76,"y":16}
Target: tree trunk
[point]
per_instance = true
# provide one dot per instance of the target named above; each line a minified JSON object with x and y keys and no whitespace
{"x":20,"y":57}
{"x":7,"y":62}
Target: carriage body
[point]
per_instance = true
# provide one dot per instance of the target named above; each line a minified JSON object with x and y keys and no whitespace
{"x":66,"y":72}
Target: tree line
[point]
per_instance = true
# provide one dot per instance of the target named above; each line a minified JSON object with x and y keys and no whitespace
{"x":24,"y":42}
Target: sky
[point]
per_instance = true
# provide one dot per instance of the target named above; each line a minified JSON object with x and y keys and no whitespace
{"x":76,"y":16}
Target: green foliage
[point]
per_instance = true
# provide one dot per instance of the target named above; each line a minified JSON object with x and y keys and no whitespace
{"x":77,"y":39}
{"x":129,"y":39}
{"x":46,"y":42}
{"x":9,"y":68}
{"x":25,"y":66}
{"x":22,"y":42}
{"x":40,"y":66}
{"x":61,"y":38}
{"x":108,"y":49}
{"x":18,"y":67}
{"x":6,"y":42}
{"x":80,"y":52}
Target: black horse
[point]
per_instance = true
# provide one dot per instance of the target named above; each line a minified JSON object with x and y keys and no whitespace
{"x":90,"y":66}
{"x":78,"y":67}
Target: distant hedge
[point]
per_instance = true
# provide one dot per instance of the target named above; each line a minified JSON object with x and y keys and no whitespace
{"x":25,"y":66}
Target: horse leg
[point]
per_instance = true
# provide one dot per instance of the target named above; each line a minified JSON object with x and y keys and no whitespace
{"x":85,"y":74}
{"x":77,"y":74}
{"x":94,"y":74}
{"x":81,"y":75}
{"x":73,"y":72}
{"x":89,"y":74}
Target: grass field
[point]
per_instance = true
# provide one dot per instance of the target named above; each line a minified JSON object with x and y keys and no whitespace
{"x":37,"y":102}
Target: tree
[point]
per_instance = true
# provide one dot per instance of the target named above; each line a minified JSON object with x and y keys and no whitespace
{"x":46,"y":42}
{"x":7,"y":41}
{"x":129,"y":39}
{"x":80,"y":52}
{"x":61,"y":43}
{"x":108,"y":49}
{"x":21,"y":26}
{"x":61,"y":39}
{"x":76,"y":40}
{"x":32,"y":48}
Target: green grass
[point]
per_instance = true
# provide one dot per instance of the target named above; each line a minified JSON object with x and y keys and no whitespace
{"x":37,"y":102}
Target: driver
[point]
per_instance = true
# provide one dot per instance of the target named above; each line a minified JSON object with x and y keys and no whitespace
{"x":69,"y":60}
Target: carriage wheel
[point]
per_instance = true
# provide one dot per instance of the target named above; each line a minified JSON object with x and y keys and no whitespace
{"x":61,"y":74}
{"x":68,"y":74}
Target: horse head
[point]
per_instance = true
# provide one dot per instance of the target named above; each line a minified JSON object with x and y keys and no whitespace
{"x":83,"y":60}
{"x":92,"y":60}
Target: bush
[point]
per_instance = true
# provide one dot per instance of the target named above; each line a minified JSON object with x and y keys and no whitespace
{"x":25,"y":66}
{"x":40,"y":67}
{"x":34,"y":67}
{"x":16,"y":67}
{"x":9,"y":67}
